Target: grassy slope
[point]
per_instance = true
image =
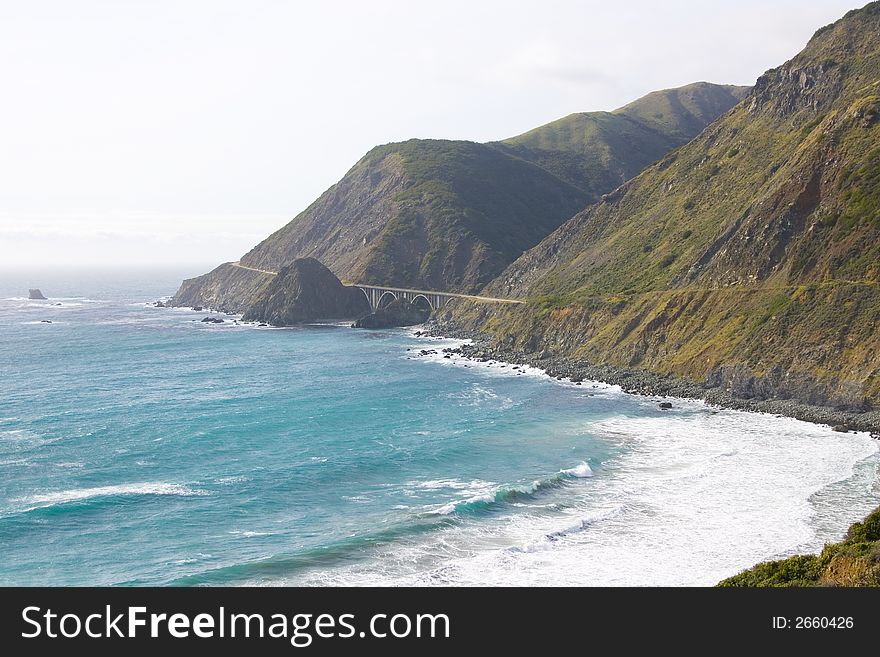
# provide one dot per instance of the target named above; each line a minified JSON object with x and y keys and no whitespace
{"x":749,"y":257}
{"x":452,"y":214}
{"x":855,"y":561}
{"x":598,"y":151}
{"x":426,"y":213}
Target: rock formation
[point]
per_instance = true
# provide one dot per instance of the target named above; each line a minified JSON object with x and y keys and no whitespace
{"x":306,"y":291}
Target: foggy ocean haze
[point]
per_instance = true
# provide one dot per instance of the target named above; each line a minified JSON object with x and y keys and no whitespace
{"x":154,"y":133}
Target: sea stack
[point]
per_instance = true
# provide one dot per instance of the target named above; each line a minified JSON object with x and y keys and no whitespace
{"x":36,"y":294}
{"x":305,"y":291}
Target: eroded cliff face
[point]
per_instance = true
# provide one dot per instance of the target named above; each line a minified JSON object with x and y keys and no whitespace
{"x":748,"y":259}
{"x":306,"y":291}
{"x":227,"y":288}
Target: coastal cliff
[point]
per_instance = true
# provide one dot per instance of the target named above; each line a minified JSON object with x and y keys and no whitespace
{"x":306,"y":291}
{"x":228,"y":288}
{"x":746,"y":262}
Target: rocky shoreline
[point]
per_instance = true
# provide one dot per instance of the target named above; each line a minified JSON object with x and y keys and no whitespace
{"x":641,"y":382}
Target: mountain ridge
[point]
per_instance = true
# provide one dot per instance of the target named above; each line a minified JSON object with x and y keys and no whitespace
{"x":747,"y":259}
{"x":601,"y":150}
{"x":450,"y":215}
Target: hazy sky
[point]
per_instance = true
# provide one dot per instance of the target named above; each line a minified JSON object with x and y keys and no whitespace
{"x":184,"y":131}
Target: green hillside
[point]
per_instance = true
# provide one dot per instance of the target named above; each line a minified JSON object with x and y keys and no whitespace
{"x":598,"y":151}
{"x":426,"y":213}
{"x":451,"y":215}
{"x":747,"y":259}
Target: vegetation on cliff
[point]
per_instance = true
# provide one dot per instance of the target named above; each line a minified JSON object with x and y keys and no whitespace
{"x":748,"y":258}
{"x":599,"y":151}
{"x":855,"y":561}
{"x":450,"y":215}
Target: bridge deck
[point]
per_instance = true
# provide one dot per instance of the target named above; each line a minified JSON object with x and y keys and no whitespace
{"x":384,"y":288}
{"x":453,"y":295}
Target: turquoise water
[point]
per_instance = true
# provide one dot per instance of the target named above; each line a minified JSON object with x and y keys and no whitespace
{"x":141,"y":446}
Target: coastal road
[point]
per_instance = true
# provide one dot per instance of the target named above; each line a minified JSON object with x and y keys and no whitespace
{"x":454,"y":295}
{"x":471,"y":297}
{"x":262,"y":271}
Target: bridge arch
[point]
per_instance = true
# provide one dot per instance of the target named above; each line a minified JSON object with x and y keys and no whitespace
{"x":422,"y":299}
{"x":382,"y":301}
{"x":369,"y":295}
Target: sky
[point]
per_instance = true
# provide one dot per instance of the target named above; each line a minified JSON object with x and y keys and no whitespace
{"x":183,"y":132}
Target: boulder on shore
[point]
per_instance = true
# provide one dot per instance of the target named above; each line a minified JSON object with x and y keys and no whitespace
{"x":35,"y":293}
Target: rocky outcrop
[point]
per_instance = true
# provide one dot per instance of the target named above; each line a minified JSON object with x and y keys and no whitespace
{"x":397,"y":313}
{"x":306,"y":291}
{"x":228,"y":288}
{"x":36,"y":294}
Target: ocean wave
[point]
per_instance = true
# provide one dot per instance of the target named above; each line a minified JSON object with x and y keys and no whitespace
{"x":321,"y":557}
{"x":579,"y":471}
{"x":511,"y":494}
{"x":79,"y":299}
{"x":454,"y":484}
{"x":58,"y":498}
{"x":582,"y":524}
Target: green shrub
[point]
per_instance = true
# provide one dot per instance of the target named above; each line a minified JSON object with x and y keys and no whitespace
{"x":668,"y":260}
{"x":867,"y":530}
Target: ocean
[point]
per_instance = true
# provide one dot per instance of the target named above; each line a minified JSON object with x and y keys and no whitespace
{"x":141,"y":446}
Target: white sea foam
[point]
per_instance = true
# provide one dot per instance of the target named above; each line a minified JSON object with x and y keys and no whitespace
{"x":580,"y":471}
{"x":15,"y":462}
{"x":452,"y":507}
{"x":491,"y":494}
{"x":45,"y":499}
{"x":696,"y":496}
{"x":454,"y":484}
{"x":227,"y":481}
{"x":492,"y":367}
{"x":22,"y":440}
